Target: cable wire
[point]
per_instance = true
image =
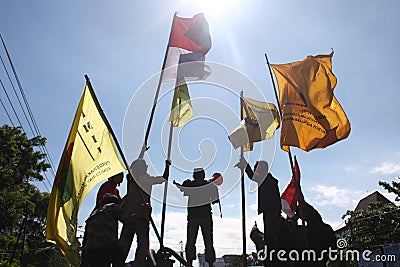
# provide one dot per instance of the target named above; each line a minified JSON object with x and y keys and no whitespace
{"x":16,"y":95}
{"x":8,"y":115}
{"x":35,"y":131}
{"x":11,"y":104}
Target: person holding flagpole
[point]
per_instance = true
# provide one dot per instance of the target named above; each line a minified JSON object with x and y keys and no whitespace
{"x":201,"y":194}
{"x":140,"y":186}
{"x":269,"y":201}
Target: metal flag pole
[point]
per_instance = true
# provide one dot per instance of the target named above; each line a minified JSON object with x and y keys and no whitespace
{"x":157,"y":94}
{"x":96,"y":101}
{"x":164,"y":206}
{"x":244,"y":256}
{"x":280,"y":110}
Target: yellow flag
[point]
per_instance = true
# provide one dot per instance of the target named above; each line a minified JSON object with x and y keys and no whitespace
{"x":311,"y":115}
{"x":260,"y":120}
{"x":89,"y":157}
{"x":181,"y":110}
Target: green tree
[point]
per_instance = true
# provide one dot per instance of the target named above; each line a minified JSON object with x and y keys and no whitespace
{"x":392,"y":188}
{"x":374,"y":227}
{"x":378,"y":225}
{"x":21,"y":202}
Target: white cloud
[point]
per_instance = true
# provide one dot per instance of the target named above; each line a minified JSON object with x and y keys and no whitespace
{"x":350,"y":168}
{"x":253,"y":207}
{"x":334,"y":196}
{"x":387,"y":168}
{"x":232,"y":206}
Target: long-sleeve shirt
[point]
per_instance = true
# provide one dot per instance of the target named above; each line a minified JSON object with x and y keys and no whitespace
{"x":136,"y":189}
{"x":269,"y":200}
{"x":201,"y":194}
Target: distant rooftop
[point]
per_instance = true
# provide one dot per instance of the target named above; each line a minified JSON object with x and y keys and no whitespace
{"x":363,"y":205}
{"x":374,"y":197}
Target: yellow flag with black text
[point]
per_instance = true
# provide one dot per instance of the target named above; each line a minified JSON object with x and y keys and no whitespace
{"x":89,"y":157}
{"x":181,"y":109}
{"x":311,"y":115}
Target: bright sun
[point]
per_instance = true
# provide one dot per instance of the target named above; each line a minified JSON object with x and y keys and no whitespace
{"x":213,"y":7}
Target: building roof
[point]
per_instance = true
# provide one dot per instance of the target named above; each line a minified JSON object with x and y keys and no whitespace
{"x":371,"y":198}
{"x":363,"y":205}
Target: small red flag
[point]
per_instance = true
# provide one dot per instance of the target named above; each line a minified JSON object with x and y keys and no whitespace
{"x":289,"y":196}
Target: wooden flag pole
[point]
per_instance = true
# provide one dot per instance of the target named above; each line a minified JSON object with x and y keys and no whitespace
{"x":144,"y":149}
{"x":279,"y":109}
{"x":96,"y":101}
{"x":244,"y":256}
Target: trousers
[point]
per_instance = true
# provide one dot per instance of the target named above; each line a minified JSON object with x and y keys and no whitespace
{"x":206,"y":226}
{"x":141,"y":229}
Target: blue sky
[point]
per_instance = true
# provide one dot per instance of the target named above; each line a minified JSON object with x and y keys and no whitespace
{"x":120,"y":45}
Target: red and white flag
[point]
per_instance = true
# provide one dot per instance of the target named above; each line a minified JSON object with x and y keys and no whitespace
{"x":289,"y":196}
{"x":190,"y":41}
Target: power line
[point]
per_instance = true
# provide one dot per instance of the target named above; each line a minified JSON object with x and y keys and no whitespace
{"x":36,"y":130}
{"x":11,"y":104}
{"x":8,"y":115}
{"x":16,"y":95}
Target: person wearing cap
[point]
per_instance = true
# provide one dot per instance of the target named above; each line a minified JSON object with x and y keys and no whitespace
{"x":201,"y":194}
{"x":269,"y":200}
{"x":110,"y":186}
{"x":101,"y":246}
{"x":140,"y":185}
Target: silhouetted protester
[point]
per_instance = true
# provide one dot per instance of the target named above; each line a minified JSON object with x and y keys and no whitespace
{"x":257,"y":237}
{"x":269,"y":200}
{"x":139,"y":191}
{"x":290,"y":238}
{"x":201,"y":194}
{"x":110,"y":186}
{"x":319,"y":235}
{"x":101,"y":245}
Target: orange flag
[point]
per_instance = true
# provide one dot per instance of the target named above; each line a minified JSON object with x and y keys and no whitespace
{"x":311,"y":115}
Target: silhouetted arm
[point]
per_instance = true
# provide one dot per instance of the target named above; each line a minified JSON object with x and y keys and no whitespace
{"x":166,"y":169}
{"x":243,"y":165}
{"x":249,"y":171}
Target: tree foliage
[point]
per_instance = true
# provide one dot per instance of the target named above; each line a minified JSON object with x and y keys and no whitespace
{"x":392,"y":188}
{"x":23,"y":208}
{"x":375,"y":227}
{"x":378,"y":225}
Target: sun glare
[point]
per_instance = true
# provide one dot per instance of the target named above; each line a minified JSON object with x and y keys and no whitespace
{"x":213,"y":7}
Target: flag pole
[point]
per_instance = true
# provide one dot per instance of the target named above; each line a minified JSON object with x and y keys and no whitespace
{"x":157,"y":93}
{"x":280,"y":111}
{"x":164,"y":206}
{"x":96,"y":101}
{"x":244,"y":256}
